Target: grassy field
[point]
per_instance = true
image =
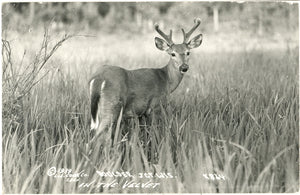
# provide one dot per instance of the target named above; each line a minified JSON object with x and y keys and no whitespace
{"x":234,"y":115}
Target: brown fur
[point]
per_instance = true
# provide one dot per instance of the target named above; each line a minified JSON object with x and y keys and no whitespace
{"x":137,"y":91}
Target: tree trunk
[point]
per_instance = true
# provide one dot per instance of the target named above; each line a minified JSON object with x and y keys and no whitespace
{"x":260,"y":22}
{"x":139,"y":19}
{"x":31,"y":12}
{"x":49,"y":6}
{"x":216,"y":18}
{"x":289,"y":18}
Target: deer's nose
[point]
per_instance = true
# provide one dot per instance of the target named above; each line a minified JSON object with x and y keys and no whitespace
{"x":184,"y":68}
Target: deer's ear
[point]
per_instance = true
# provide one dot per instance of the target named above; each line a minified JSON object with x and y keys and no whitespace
{"x":195,"y":42}
{"x":161,"y":44}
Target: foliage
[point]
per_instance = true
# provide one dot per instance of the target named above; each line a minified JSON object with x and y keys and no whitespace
{"x":124,"y":15}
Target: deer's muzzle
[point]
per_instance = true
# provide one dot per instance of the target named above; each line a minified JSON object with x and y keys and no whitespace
{"x":183,"y":68}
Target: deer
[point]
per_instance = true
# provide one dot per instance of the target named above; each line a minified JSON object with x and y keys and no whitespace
{"x":135,"y":93}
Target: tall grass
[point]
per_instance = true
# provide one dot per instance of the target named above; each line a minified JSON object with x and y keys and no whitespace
{"x":234,"y":114}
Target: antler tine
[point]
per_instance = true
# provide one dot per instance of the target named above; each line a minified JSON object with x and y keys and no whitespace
{"x":186,"y":36}
{"x":168,"y":38}
{"x":184,"y":39}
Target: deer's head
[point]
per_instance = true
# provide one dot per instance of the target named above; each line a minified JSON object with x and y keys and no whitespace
{"x":179,"y":53}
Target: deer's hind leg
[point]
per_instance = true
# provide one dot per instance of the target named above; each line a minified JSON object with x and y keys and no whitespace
{"x":108,"y":113}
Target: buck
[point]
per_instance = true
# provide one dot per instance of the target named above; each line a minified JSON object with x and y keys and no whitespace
{"x":134,"y":93}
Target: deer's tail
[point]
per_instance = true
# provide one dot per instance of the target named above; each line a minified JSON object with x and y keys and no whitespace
{"x":95,"y":98}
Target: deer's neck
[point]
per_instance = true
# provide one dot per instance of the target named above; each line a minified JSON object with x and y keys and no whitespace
{"x":174,"y":76}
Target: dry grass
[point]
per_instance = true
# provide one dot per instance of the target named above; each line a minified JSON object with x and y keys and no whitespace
{"x":235,"y":114}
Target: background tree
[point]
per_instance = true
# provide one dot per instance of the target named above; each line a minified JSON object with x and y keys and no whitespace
{"x":258,"y":18}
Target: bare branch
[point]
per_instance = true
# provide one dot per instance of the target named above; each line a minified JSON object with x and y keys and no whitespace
{"x":21,"y":84}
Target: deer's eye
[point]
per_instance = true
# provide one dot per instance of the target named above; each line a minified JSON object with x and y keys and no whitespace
{"x":173,"y":54}
{"x":188,"y":53}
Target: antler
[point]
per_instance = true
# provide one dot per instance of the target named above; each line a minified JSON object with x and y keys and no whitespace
{"x":186,"y":36}
{"x":168,"y":38}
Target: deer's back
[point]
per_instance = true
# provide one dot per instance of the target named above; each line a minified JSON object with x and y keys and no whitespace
{"x":136,"y":90}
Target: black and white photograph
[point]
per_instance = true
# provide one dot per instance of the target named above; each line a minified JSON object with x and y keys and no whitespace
{"x":150,"y":97}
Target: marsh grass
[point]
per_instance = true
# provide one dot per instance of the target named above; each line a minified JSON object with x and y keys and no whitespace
{"x":234,"y":114}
